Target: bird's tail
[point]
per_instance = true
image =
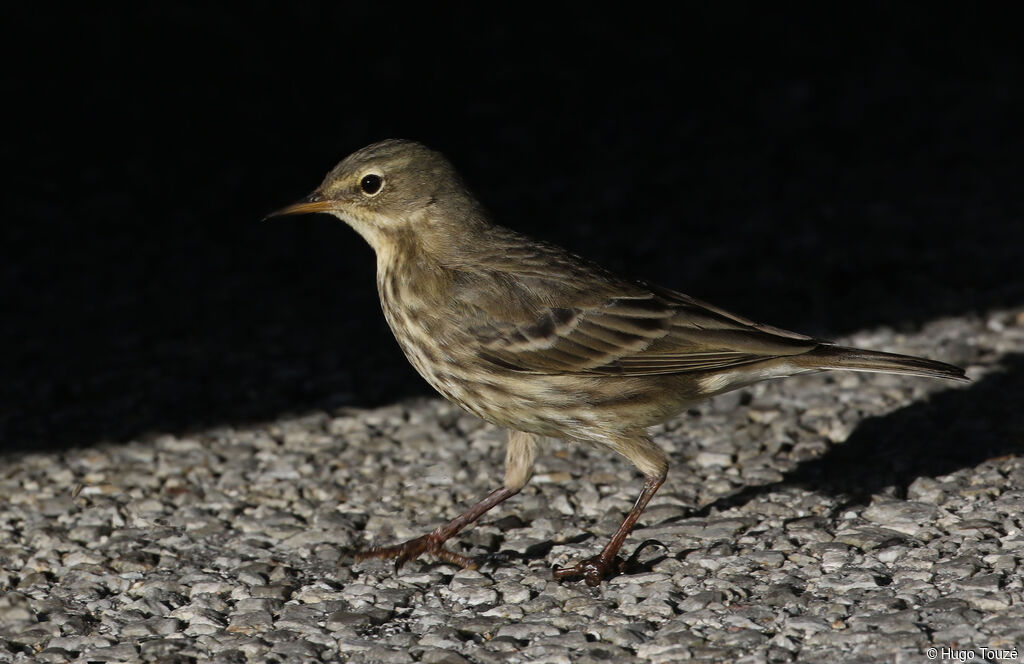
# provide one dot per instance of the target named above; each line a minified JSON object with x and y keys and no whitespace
{"x":857,"y":359}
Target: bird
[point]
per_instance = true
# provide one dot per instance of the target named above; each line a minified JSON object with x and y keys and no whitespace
{"x":533,"y":338}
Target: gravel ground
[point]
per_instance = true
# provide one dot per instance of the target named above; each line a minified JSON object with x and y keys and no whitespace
{"x":847,"y":516}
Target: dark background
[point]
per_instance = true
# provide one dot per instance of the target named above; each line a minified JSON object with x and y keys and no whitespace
{"x":823,"y":173}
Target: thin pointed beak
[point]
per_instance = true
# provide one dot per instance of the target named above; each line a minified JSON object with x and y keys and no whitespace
{"x":315,"y":202}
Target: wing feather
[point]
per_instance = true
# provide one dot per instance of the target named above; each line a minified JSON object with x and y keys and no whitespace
{"x":633,"y":337}
{"x":534,"y":308}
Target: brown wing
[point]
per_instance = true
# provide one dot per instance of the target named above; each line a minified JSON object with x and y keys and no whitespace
{"x":533,"y":307}
{"x":647,"y":331}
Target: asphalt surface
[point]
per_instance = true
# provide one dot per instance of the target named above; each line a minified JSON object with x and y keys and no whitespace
{"x":848,"y":517}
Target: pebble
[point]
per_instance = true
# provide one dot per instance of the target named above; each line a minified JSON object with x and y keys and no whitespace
{"x":151,"y":627}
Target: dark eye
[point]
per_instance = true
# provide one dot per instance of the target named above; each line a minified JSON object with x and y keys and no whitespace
{"x":371,"y":184}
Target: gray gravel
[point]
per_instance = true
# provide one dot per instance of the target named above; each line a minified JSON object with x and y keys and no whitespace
{"x":846,"y":517}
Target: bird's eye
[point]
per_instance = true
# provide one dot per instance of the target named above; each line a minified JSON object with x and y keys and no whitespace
{"x":371,"y":184}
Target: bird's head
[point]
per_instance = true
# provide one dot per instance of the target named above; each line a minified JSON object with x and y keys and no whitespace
{"x":390,"y":187}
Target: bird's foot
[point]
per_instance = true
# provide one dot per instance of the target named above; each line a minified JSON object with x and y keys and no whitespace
{"x":593,"y":570}
{"x":429,"y":544}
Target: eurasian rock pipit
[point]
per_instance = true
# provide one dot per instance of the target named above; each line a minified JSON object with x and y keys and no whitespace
{"x":533,"y":338}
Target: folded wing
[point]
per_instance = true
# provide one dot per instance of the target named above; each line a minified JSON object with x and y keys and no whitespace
{"x":647,"y":331}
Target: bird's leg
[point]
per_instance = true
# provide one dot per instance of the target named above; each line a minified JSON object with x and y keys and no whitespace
{"x":522,"y":447}
{"x":432,"y":542}
{"x":607,"y":563}
{"x":649,"y":459}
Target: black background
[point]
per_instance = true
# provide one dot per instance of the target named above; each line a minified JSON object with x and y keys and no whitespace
{"x":820,"y":172}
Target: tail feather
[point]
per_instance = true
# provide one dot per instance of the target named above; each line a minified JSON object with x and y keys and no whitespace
{"x":858,"y":359}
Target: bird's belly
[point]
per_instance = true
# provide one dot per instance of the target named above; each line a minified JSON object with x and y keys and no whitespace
{"x":500,"y":398}
{"x":520,"y":401}
{"x":562,"y":406}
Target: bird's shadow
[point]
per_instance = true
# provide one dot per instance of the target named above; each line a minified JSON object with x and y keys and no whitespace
{"x":951,"y":430}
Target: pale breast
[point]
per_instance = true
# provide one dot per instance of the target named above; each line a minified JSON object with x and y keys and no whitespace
{"x":440,"y":352}
{"x":446,"y":357}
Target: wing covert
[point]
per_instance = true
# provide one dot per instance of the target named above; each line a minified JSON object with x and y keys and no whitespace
{"x":639,"y":334}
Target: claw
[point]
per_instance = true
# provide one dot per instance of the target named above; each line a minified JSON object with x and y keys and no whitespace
{"x":431,"y":543}
{"x":414,"y":548}
{"x":593,"y":570}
